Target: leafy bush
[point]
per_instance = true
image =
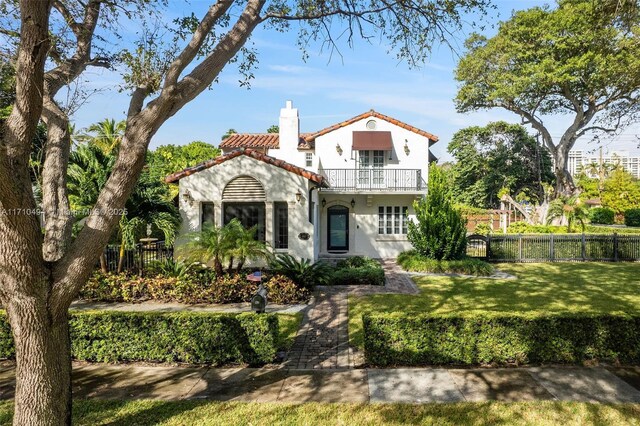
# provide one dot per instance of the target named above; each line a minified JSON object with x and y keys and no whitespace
{"x":229,"y":289}
{"x":410,"y":339}
{"x":282,"y":290}
{"x":440,"y":232}
{"x":526,"y":228}
{"x":414,"y":262}
{"x":197,"y":287}
{"x":483,"y":228}
{"x":303,"y":272}
{"x":357,"y":262}
{"x":364,"y":275}
{"x":197,"y":338}
{"x":632,"y":217}
{"x":602,"y":216}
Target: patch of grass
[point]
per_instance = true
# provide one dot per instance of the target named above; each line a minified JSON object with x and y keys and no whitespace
{"x":169,"y":413}
{"x":289,"y":325}
{"x":540,"y":288}
{"x":414,"y":262}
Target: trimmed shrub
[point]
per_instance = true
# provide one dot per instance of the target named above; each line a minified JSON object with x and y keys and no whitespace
{"x":409,"y":339}
{"x":358,"y":270}
{"x":364,"y":275}
{"x":632,"y":217}
{"x":196,"y":338}
{"x":357,"y":262}
{"x":602,"y":216}
{"x":414,"y":262}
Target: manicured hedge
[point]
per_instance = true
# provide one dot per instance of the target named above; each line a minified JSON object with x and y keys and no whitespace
{"x":197,"y":338}
{"x":358,"y":270}
{"x":414,"y":262}
{"x":632,"y":217}
{"x":602,"y":215}
{"x":409,"y":339}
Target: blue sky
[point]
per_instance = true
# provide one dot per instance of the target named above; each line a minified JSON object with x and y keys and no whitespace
{"x":326,"y":90}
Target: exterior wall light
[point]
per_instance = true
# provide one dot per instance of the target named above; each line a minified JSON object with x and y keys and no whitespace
{"x":407,"y":151}
{"x":324,"y":202}
{"x":339,"y":149}
{"x":298,"y":196}
{"x":353,"y":202}
{"x":186,"y":196}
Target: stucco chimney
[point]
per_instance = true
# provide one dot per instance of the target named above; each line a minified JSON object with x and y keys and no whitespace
{"x":289,"y":130}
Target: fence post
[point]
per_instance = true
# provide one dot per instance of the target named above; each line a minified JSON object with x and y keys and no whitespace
{"x":141,"y":257}
{"x":520,"y":247}
{"x":584,"y":247}
{"x":552,"y":253}
{"x":615,"y":246}
{"x":488,"y":247}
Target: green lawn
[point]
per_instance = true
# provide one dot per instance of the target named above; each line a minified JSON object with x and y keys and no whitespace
{"x":142,"y":413}
{"x":289,"y":325}
{"x":540,"y":287}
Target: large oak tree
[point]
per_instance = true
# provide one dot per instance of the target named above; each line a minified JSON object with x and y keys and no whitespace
{"x":580,"y":60}
{"x":42,"y":268}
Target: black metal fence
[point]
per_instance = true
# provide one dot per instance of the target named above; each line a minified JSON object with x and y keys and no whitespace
{"x":135,"y":260}
{"x":555,"y":247}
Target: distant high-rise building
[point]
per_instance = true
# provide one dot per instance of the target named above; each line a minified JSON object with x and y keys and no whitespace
{"x":580,"y":161}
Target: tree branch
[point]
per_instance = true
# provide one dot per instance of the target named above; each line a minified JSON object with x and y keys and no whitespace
{"x":72,"y":271}
{"x":215,"y":12}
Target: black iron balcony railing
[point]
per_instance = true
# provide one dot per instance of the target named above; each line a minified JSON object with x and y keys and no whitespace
{"x":374,"y":179}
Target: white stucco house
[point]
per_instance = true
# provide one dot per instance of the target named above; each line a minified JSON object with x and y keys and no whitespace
{"x":342,"y":191}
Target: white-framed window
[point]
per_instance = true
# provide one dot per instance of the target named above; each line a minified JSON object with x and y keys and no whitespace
{"x":392,"y":220}
{"x":308,"y":158}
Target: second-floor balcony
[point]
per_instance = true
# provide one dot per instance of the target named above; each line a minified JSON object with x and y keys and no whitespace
{"x":375,"y":180}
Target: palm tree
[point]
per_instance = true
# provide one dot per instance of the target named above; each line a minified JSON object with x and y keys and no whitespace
{"x":248,"y":248}
{"x":88,"y":171}
{"x":570,"y":209}
{"x":212,"y":244}
{"x":148,"y":208}
{"x":106,"y":135}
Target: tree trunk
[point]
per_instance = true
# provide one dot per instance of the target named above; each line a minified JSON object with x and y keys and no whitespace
{"x":103,"y":263}
{"x":121,"y":257}
{"x":43,"y":370}
{"x":564,"y":181}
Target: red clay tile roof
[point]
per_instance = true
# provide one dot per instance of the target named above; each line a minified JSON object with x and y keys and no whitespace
{"x":313,"y":177}
{"x":371,"y":113}
{"x":259,"y":140}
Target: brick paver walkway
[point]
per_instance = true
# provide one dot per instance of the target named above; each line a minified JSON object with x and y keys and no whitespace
{"x":323,"y":339}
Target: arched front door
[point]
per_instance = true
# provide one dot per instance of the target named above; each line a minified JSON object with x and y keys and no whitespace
{"x":338,"y":228}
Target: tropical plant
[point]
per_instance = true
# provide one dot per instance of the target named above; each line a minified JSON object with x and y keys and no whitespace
{"x":440,"y":231}
{"x":246,"y":246}
{"x":169,"y":268}
{"x":211,"y":244}
{"x":570,"y":210}
{"x":106,"y":135}
{"x":303,"y":272}
{"x":148,"y":212}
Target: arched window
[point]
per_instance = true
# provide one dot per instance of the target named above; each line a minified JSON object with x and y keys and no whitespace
{"x":244,"y":198}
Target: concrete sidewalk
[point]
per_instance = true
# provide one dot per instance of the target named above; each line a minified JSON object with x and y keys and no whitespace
{"x":407,"y":385}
